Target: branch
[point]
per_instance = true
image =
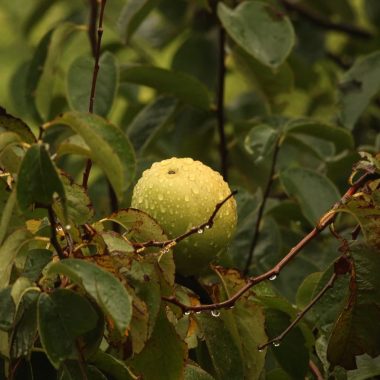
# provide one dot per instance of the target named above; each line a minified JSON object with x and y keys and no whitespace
{"x":167,"y":244}
{"x":262,"y":208}
{"x":315,"y":370}
{"x":53,"y":233}
{"x":87,"y":170}
{"x":325,"y":220}
{"x":92,"y":25}
{"x":317,"y":19}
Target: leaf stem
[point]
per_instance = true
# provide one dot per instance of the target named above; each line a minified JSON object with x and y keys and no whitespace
{"x":53,"y":233}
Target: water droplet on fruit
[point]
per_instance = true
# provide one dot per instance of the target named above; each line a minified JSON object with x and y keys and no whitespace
{"x":273,"y":277}
{"x":160,"y":197}
{"x":276,"y":343}
{"x":140,"y":200}
{"x":215,"y":313}
{"x":187,"y":198}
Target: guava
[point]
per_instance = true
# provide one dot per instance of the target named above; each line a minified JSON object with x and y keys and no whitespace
{"x":181,"y":193}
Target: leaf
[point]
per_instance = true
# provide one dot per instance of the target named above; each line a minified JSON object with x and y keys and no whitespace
{"x":341,"y":137}
{"x":260,"y":142}
{"x":260,"y":29}
{"x":132,"y":15}
{"x":73,"y":145}
{"x":79,"y":79}
{"x":105,"y":289}
{"x":110,"y":148}
{"x":166,"y":349}
{"x":8,"y":253}
{"x":35,"y":261}
{"x":291,"y":354}
{"x":367,"y":368}
{"x":111,"y":365}
{"x":44,"y":89}
{"x":315,"y":193}
{"x":7,"y":309}
{"x":354,"y":332}
{"x":38,"y":179}
{"x":193,"y":372}
{"x":15,"y":125}
{"x":358,"y":86}
{"x":150,"y":120}
{"x":306,"y":289}
{"x":182,"y":86}
{"x":8,"y":217}
{"x":8,"y":139}
{"x":224,"y":353}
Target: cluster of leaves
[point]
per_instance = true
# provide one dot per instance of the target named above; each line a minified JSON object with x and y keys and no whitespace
{"x":78,"y":298}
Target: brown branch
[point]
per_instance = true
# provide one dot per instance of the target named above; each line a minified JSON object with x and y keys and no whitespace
{"x":260,"y":213}
{"x":53,"y":233}
{"x":92,"y":25}
{"x":276,"y":340}
{"x":315,"y":370}
{"x":325,"y":220}
{"x":319,"y":20}
{"x":197,"y":229}
{"x":87,"y":170}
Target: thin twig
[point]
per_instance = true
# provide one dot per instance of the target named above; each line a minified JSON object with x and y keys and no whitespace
{"x":325,"y":220}
{"x":220,"y":103}
{"x":87,"y":170}
{"x":315,"y":370}
{"x":197,"y":229}
{"x":53,"y":233}
{"x":319,"y":20}
{"x":92,"y":25}
{"x":276,"y":340}
{"x":260,"y":213}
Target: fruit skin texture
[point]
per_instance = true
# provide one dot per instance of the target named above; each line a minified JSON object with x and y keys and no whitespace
{"x":181,"y":193}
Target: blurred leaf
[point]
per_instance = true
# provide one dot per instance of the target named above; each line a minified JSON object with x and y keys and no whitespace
{"x":15,"y":125}
{"x":111,"y":365}
{"x":165,"y":349}
{"x":225,"y":354}
{"x":110,"y":148}
{"x":35,"y":261}
{"x":307,"y":289}
{"x":372,"y":10}
{"x":291,"y":354}
{"x":44,"y":89}
{"x":341,"y":138}
{"x":7,"y":309}
{"x":367,"y":368}
{"x":193,"y":372}
{"x":358,"y":86}
{"x":183,"y":86}
{"x":79,"y":78}
{"x":354,"y":332}
{"x":260,"y":142}
{"x":25,"y":328}
{"x":8,"y":253}
{"x":260,"y":29}
{"x":8,"y":139}
{"x":74,"y":145}
{"x":104,"y":288}
{"x":9,"y":218}
{"x":315,"y":193}
{"x":38,"y":179}
{"x":150,"y":120}
{"x":132,"y":15}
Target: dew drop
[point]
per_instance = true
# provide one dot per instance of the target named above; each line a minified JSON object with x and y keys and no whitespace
{"x":260,"y":349}
{"x":207,"y":226}
{"x":276,"y":343}
{"x":200,"y":231}
{"x":215,"y":313}
{"x":273,"y":277}
{"x":187,"y":312}
{"x":198,"y":312}
{"x":68,"y":227}
{"x":195,"y":190}
{"x":187,"y":198}
{"x":140,"y":200}
{"x":160,"y":197}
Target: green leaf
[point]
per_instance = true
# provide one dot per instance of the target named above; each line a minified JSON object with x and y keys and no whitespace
{"x":260,"y":142}
{"x":182,"y":86}
{"x":25,"y":329}
{"x":132,"y":15}
{"x":7,"y":309}
{"x":8,"y":216}
{"x":306,"y":289}
{"x":166,"y":349}
{"x":358,"y":86}
{"x":79,"y":79}
{"x":73,"y":145}
{"x":150,"y":120}
{"x":45,"y":87}
{"x":367,"y":368}
{"x":111,"y":365}
{"x":8,"y":139}
{"x":291,"y":354}
{"x":13,"y":124}
{"x":105,"y":289}
{"x":260,"y":29}
{"x":315,"y":193}
{"x":340,"y":137}
{"x":36,"y":260}
{"x":38,"y":179}
{"x":8,"y":253}
{"x":110,"y":148}
{"x":193,"y":372}
{"x":224,"y":353}
{"x":355,"y":332}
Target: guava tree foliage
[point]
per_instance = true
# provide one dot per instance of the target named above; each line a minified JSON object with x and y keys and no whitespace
{"x":281,"y":97}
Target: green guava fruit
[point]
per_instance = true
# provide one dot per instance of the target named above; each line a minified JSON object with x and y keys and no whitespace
{"x":181,"y":193}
